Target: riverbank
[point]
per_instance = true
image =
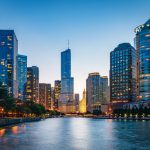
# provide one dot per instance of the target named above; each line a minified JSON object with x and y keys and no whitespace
{"x":11,"y":121}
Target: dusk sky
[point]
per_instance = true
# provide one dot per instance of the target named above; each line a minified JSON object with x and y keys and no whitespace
{"x":93,"y":27}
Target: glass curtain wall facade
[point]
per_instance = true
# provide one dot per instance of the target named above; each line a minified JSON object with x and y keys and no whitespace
{"x":22,"y":76}
{"x":143,"y":61}
{"x":123,"y":73}
{"x":32,"y":87}
{"x":8,"y":61}
{"x":93,"y":92}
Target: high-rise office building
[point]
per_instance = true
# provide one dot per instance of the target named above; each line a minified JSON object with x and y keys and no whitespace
{"x":32,"y":87}
{"x":8,"y":61}
{"x":67,"y":83}
{"x":93,"y":92}
{"x":123,"y":74}
{"x":57,"y":90}
{"x":22,"y":76}
{"x":45,"y":95}
{"x":142,"y":42}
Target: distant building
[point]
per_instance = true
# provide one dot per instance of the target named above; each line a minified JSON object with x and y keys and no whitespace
{"x":96,"y":91}
{"x":45,"y":95}
{"x":66,"y":102}
{"x":82,"y":103}
{"x":93,"y":92}
{"x":22,"y":76}
{"x":76,"y":102}
{"x":32,"y":87}
{"x":123,"y":74}
{"x":142,"y":42}
{"x":104,"y":90}
{"x":8,"y":61}
{"x":57,"y":90}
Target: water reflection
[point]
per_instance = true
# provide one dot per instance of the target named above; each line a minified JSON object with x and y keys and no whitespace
{"x":2,"y":132}
{"x":76,"y":134}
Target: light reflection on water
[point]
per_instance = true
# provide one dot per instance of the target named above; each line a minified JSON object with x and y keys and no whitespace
{"x":77,"y":134}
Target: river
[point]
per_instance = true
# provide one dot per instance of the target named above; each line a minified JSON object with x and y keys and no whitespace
{"x":77,"y":134}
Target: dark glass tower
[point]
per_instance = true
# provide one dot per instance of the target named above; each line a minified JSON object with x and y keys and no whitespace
{"x":123,"y":73}
{"x":32,"y":87}
{"x":8,"y":61}
{"x":22,"y":76}
{"x":143,"y":61}
{"x":67,"y":82}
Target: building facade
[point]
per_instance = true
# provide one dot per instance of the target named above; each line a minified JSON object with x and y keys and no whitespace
{"x":123,"y":74}
{"x":105,"y":90}
{"x":57,"y":90}
{"x":22,"y":75}
{"x":32,"y":87}
{"x":82,"y":103}
{"x":8,"y":61}
{"x":76,"y":102}
{"x":67,"y":83}
{"x":45,"y":95}
{"x":93,"y":92}
{"x":142,"y":42}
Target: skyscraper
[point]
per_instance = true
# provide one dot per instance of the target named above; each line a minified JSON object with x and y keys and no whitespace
{"x":8,"y":61}
{"x":93,"y":92}
{"x":57,"y":90}
{"x":45,"y":95}
{"x":143,"y":60}
{"x":32,"y":87}
{"x":22,"y":76}
{"x":67,"y":83}
{"x":123,"y":74}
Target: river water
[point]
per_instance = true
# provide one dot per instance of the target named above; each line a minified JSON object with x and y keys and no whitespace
{"x":77,"y":134}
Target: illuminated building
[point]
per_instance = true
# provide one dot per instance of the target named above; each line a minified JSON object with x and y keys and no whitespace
{"x":123,"y":74}
{"x":57,"y":90}
{"x":82,"y":103}
{"x":32,"y":87}
{"x":142,"y":42}
{"x":45,"y":95}
{"x":66,"y":101}
{"x":96,"y":91}
{"x":93,"y":92}
{"x":8,"y":61}
{"x":22,"y":75}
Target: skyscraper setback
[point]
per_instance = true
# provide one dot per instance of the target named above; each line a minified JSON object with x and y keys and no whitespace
{"x":8,"y":61}
{"x":67,"y":83}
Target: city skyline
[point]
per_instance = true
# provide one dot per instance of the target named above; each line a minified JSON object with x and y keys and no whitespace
{"x":56,"y":28}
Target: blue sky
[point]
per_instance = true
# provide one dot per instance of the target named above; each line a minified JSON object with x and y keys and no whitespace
{"x":94,"y":28}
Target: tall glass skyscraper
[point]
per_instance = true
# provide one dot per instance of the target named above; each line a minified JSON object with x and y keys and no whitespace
{"x":143,"y":60}
{"x":67,"y":82}
{"x":96,"y":91}
{"x":8,"y":61}
{"x":22,"y":76}
{"x":123,"y":74}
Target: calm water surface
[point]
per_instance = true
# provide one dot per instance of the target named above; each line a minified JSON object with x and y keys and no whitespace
{"x":77,"y":134}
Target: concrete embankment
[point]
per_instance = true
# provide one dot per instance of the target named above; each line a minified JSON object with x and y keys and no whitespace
{"x":11,"y":121}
